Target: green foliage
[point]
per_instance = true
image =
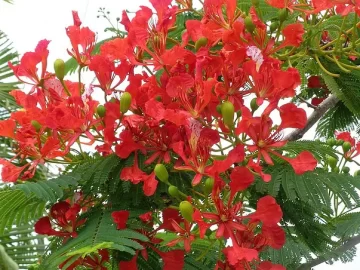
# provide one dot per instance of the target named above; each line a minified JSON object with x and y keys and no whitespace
{"x":22,"y":245}
{"x":337,"y":118}
{"x":7,"y":53}
{"x":313,"y":188}
{"x":266,"y":11}
{"x":99,"y":230}
{"x":345,"y":87}
{"x":26,"y":202}
{"x":319,"y":149}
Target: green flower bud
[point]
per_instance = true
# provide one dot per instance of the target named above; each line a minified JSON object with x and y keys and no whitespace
{"x":173,"y":191}
{"x":186,"y":210}
{"x":332,"y":162}
{"x":253,"y":105}
{"x":346,"y":146}
{"x":209,"y":184}
{"x":161,"y":173}
{"x":59,"y":67}
{"x":227,"y":112}
{"x":283,"y":14}
{"x":101,"y":110}
{"x":201,"y":42}
{"x":36,"y":125}
{"x":346,"y":170}
{"x":335,"y":170}
{"x":249,"y":25}
{"x":218,"y":108}
{"x":125,"y":102}
{"x":274,"y":26}
{"x":331,"y":142}
{"x":357,"y":173}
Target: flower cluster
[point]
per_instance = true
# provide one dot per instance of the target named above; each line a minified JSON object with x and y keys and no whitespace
{"x":181,"y":110}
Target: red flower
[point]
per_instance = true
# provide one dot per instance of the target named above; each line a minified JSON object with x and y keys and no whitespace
{"x":259,"y":129}
{"x":10,"y":172}
{"x":63,"y":215}
{"x":106,"y":72}
{"x":27,"y":69}
{"x":82,"y":41}
{"x":146,"y":217}
{"x":354,"y":151}
{"x":293,"y":34}
{"x":269,"y":266}
{"x":241,"y":179}
{"x":93,"y":261}
{"x":120,"y":218}
{"x":185,"y":235}
{"x":236,"y":254}
{"x":267,"y":211}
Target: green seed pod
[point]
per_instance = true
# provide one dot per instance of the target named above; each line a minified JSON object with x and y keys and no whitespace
{"x":161,"y":173}
{"x":274,"y":26}
{"x":339,"y":142}
{"x":253,"y":105}
{"x":201,"y":42}
{"x":101,"y":110}
{"x":346,"y":170}
{"x":209,"y":184}
{"x":249,"y":25}
{"x":125,"y":102}
{"x":59,"y":67}
{"x":283,"y":14}
{"x":332,"y":162}
{"x":331,"y":142}
{"x":36,"y":125}
{"x":227,"y":112}
{"x":346,"y":146}
{"x":173,"y":191}
{"x":186,"y":210}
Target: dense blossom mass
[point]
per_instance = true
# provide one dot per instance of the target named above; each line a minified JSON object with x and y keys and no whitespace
{"x":185,"y":105}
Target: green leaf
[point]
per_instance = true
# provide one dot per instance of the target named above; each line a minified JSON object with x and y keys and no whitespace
{"x":99,"y":230}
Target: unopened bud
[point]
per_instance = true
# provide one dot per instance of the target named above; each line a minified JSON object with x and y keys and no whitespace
{"x":227,"y":112}
{"x":59,"y":67}
{"x":249,"y":25}
{"x":101,"y":110}
{"x":125,"y":102}
{"x":186,"y":210}
{"x":161,"y":173}
{"x":36,"y":125}
{"x":201,"y":42}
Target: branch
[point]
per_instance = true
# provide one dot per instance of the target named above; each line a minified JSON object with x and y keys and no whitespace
{"x":327,"y":104}
{"x":352,"y":242}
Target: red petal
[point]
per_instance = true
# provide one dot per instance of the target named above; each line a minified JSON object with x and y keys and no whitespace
{"x":304,"y":162}
{"x":292,"y":116}
{"x":7,"y":128}
{"x":120,"y":218}
{"x":267,"y":211}
{"x":236,"y":254}
{"x":241,"y":179}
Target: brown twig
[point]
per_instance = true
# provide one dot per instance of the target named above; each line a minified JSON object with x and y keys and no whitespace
{"x":327,"y":104}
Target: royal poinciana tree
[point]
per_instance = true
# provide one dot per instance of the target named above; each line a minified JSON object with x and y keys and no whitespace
{"x":191,"y":158}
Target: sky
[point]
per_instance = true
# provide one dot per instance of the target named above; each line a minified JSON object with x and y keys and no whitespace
{"x":26,"y":22}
